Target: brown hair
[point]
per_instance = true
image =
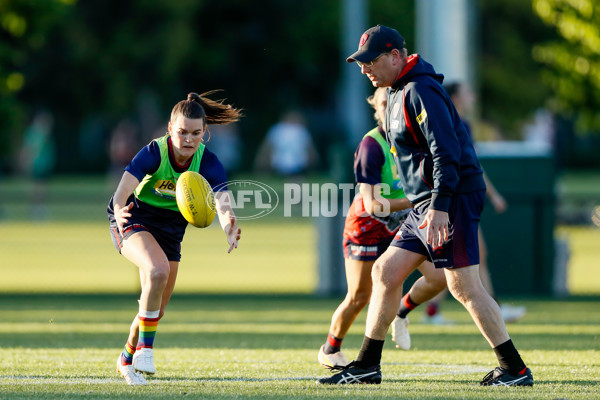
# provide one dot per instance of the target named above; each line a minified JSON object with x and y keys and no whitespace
{"x":211,"y":111}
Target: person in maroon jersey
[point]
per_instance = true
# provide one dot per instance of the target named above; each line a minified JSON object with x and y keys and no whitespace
{"x":371,"y":223}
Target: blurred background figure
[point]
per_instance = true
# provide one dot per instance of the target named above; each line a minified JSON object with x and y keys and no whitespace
{"x":288,"y":149}
{"x":464,"y":100}
{"x":121,"y":149}
{"x":224,"y":141}
{"x":147,"y":117}
{"x":540,"y":129}
{"x":37,"y":160}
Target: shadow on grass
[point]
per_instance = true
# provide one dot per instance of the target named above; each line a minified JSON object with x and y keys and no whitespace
{"x":281,"y":341}
{"x":243,"y":301}
{"x":85,"y":301}
{"x":244,"y":322}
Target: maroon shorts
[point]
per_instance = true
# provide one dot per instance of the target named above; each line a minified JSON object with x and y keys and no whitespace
{"x":462,"y":247}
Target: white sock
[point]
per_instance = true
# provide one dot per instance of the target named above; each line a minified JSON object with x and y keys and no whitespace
{"x":148,"y":314}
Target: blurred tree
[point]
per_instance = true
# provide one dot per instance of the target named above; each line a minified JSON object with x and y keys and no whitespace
{"x":91,"y":63}
{"x":510,"y":84}
{"x":24,"y":25}
{"x":399,"y":15}
{"x":282,"y":53}
{"x":573,"y":61}
{"x":270,"y":57}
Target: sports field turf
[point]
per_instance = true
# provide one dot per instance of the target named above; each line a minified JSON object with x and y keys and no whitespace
{"x":214,"y":343}
{"x":265,"y":346}
{"x":67,"y":299}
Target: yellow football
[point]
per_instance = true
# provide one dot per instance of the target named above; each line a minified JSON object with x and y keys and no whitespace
{"x":195,"y":199}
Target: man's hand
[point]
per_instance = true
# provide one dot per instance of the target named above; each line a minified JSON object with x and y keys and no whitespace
{"x":437,"y":223}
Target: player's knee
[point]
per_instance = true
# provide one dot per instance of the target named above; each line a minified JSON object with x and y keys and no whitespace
{"x":459,"y":292}
{"x":159,"y":275}
{"x":377,"y":272}
{"x":439,"y":283}
{"x":383,"y":274}
{"x":359,"y":299}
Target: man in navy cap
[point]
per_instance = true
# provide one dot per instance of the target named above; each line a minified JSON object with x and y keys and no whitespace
{"x":443,"y":180}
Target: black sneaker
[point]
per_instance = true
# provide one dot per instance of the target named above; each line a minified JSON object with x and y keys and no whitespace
{"x":501,"y":377}
{"x":353,"y":374}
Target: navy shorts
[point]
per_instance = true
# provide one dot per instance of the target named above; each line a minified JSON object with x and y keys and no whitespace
{"x":167,"y":227}
{"x":365,"y":252}
{"x":462,"y":247}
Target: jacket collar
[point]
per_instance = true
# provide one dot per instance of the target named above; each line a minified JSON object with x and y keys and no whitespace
{"x":412,"y":60}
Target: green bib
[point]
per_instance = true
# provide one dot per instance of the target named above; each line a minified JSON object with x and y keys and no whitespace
{"x":158,"y":189}
{"x":389,"y":171}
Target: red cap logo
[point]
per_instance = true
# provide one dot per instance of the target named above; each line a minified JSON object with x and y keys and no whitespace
{"x":363,"y":39}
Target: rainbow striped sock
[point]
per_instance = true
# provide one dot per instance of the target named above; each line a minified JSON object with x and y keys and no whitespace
{"x":148,"y":323}
{"x":127,"y":354}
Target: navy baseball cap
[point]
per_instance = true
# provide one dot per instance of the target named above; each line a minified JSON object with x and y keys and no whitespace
{"x":375,"y":41}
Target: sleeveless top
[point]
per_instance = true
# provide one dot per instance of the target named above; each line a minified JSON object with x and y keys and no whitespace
{"x":158,"y":189}
{"x":389,"y":171}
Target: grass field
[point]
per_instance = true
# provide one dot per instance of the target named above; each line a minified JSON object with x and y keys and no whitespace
{"x":79,"y":257}
{"x":265,"y":346}
{"x":247,"y":324}
{"x":71,"y":251}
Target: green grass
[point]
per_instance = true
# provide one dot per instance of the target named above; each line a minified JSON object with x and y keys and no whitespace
{"x":79,"y":257}
{"x":579,"y":183}
{"x":72,"y":252}
{"x":583,"y":275}
{"x":245,"y":325}
{"x":264,"y":346}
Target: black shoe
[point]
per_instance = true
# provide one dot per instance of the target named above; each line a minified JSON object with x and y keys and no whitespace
{"x":501,"y":377}
{"x":353,"y":374}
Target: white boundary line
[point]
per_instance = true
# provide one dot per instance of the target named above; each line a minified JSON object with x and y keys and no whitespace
{"x":448,"y":370}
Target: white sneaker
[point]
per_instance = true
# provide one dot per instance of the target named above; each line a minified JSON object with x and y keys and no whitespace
{"x":512,"y":313}
{"x":437,"y":319}
{"x":143,"y":361}
{"x":337,"y":359}
{"x":400,"y":333}
{"x":131,"y":377}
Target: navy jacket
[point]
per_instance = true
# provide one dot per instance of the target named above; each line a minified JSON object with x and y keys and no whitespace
{"x":433,"y":151}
